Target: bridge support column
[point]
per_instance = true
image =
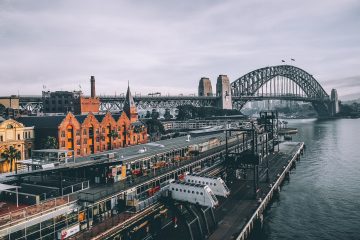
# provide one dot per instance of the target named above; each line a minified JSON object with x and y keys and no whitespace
{"x":223,"y":90}
{"x":334,"y":104}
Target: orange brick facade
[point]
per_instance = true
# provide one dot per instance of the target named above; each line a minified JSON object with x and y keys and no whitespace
{"x":87,"y":105}
{"x":98,"y":133}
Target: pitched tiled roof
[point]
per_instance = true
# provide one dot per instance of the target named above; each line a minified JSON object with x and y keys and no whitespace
{"x":81,"y":118}
{"x":42,"y":121}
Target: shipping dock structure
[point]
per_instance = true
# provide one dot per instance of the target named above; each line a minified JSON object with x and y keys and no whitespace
{"x":213,"y":185}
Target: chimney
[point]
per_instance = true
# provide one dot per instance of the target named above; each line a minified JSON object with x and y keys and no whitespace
{"x":92,"y":81}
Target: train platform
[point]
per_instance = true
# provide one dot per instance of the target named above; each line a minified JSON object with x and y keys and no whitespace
{"x":127,"y":154}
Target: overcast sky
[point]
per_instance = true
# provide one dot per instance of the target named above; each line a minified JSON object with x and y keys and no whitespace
{"x":168,"y":46}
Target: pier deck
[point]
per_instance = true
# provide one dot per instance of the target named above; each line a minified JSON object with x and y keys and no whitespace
{"x":239,"y":212}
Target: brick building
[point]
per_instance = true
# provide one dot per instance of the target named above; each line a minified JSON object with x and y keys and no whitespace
{"x":91,"y":133}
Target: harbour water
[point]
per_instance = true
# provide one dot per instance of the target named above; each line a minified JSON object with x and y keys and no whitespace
{"x":322,"y":199}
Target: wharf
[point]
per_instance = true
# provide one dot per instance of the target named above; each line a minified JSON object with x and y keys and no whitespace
{"x":240,"y":212}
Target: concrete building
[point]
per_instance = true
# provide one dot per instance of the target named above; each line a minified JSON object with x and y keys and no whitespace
{"x":205,"y":88}
{"x":223,"y":90}
{"x":59,"y":101}
{"x":13,"y":133}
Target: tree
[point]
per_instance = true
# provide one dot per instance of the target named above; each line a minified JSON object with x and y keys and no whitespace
{"x":154,"y":128}
{"x":167,"y":114}
{"x":11,"y":154}
{"x":186,"y":112}
{"x":50,"y":143}
{"x":113,"y":134}
{"x":155,"y":114}
{"x":148,"y":114}
{"x":2,"y":109}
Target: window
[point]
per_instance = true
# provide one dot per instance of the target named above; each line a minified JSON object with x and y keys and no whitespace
{"x":62,"y":143}
{"x":98,"y":148}
{"x":192,"y":192}
{"x":214,"y":184}
{"x":201,"y":193}
{"x":77,"y":132}
{"x":176,"y":189}
{"x":1,"y":138}
{"x":62,"y":133}
{"x":78,"y":142}
{"x":197,"y":192}
{"x":85,"y":141}
{"x":97,"y":139}
{"x":84,"y":131}
{"x":180,"y":190}
{"x":78,"y":151}
{"x":9,"y":126}
{"x":18,"y":136}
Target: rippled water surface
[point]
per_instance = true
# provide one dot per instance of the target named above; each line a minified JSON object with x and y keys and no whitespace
{"x":322,"y":199}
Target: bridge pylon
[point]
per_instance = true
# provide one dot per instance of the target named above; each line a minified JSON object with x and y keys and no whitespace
{"x":334,"y":102}
{"x":223,"y":91}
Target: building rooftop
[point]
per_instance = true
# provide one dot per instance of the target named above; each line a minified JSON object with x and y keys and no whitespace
{"x":129,"y":154}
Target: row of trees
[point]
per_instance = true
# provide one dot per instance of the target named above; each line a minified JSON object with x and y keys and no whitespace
{"x":155,"y":114}
{"x":349,"y":110}
{"x":190,"y":112}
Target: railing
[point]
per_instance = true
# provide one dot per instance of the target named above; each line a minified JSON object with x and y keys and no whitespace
{"x":121,"y":186}
{"x":75,"y":187}
{"x":249,"y":225}
{"x":20,"y":215}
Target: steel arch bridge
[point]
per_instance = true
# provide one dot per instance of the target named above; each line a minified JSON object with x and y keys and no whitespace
{"x":283,"y":82}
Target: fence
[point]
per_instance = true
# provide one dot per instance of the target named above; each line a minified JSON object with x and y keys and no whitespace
{"x":17,"y":216}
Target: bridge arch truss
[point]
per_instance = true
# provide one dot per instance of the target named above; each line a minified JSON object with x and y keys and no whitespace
{"x":246,"y":88}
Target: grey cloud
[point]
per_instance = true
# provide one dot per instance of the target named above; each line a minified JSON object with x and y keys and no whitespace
{"x":169,"y":45}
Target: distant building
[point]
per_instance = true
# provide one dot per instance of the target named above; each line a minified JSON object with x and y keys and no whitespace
{"x":13,"y":133}
{"x":75,"y":102}
{"x":91,"y":133}
{"x":10,"y":102}
{"x":59,"y":101}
